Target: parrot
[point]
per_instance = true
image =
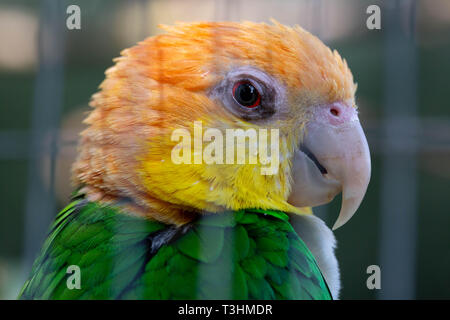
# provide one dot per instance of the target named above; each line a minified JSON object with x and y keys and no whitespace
{"x":144,"y":225}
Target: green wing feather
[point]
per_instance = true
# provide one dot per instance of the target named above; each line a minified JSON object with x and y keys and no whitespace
{"x":247,"y":254}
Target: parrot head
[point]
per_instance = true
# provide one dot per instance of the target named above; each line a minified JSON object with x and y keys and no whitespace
{"x":207,"y":79}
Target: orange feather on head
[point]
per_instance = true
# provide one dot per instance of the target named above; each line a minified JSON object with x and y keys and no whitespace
{"x":163,"y":83}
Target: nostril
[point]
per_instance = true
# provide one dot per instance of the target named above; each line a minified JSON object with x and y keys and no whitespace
{"x":334,"y":112}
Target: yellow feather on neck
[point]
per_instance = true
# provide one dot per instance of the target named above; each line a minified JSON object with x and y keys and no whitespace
{"x":217,"y":187}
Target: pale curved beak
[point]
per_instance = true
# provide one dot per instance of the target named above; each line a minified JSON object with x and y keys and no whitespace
{"x":333,"y":157}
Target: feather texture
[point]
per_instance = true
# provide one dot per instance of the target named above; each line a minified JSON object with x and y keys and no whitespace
{"x":246,"y":254}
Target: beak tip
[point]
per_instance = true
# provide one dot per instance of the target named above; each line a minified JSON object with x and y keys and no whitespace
{"x":337,"y":225}
{"x":348,"y":209}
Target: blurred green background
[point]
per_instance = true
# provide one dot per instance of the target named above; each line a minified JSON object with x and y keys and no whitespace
{"x":48,"y":73}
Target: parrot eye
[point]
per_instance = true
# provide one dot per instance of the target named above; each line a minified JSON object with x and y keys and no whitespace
{"x":250,"y":94}
{"x":246,"y":94}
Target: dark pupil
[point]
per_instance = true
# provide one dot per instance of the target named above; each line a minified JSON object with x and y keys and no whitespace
{"x":246,"y":94}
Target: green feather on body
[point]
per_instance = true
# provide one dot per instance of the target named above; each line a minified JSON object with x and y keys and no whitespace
{"x":247,"y":254}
